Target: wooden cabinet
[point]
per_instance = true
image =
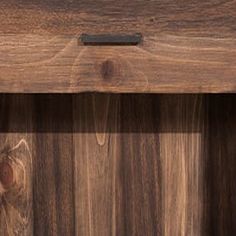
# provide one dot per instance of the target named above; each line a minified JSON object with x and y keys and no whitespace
{"x":117,"y":140}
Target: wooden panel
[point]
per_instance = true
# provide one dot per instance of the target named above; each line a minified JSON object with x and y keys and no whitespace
{"x":140,"y":175}
{"x":188,"y":46}
{"x":182,"y":158}
{"x":53,"y":166}
{"x":220,"y":169}
{"x":71,"y":17}
{"x":103,"y":164}
{"x":97,"y":163}
{"x":16,"y":168}
{"x":146,"y":180}
{"x":170,"y":64}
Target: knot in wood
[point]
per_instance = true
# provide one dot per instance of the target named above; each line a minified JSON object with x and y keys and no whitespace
{"x":107,"y":69}
{"x":6,"y":174}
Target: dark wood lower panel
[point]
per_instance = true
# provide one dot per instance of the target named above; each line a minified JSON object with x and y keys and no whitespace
{"x":102,"y":164}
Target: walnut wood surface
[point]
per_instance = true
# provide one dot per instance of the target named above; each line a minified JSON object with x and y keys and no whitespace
{"x":16,"y":161}
{"x":53,"y":166}
{"x":221,"y":166}
{"x":103,"y":164}
{"x":188,"y":46}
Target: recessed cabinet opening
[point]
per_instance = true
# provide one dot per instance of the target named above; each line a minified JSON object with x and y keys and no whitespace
{"x":117,"y":164}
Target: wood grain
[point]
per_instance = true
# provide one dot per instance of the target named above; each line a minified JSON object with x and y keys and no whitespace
{"x":187,"y":46}
{"x":96,"y":150}
{"x":105,"y":164}
{"x":182,"y":158}
{"x":140,"y":175}
{"x":71,"y":17}
{"x":220,"y":168}
{"x":53,"y":166}
{"x":16,"y":166}
{"x":139,"y":171}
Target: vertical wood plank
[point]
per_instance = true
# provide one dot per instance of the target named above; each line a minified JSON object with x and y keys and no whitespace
{"x":220,"y":170}
{"x":140,"y":174}
{"x":96,"y":156}
{"x":53,"y":166}
{"x":16,"y":173}
{"x":182,"y":160}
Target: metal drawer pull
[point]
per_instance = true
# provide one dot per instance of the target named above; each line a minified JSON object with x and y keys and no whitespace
{"x":109,"y":39}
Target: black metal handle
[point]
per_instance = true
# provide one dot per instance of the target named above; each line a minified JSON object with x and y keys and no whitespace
{"x":109,"y":39}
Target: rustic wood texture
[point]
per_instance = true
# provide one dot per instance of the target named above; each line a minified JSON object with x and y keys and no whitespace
{"x":187,"y":46}
{"x":16,"y":166}
{"x":103,"y":164}
{"x":53,"y":166}
{"x":220,"y":169}
{"x":96,"y":142}
{"x":70,"y":17}
{"x":181,"y":156}
{"x":140,"y":177}
{"x":139,"y":171}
